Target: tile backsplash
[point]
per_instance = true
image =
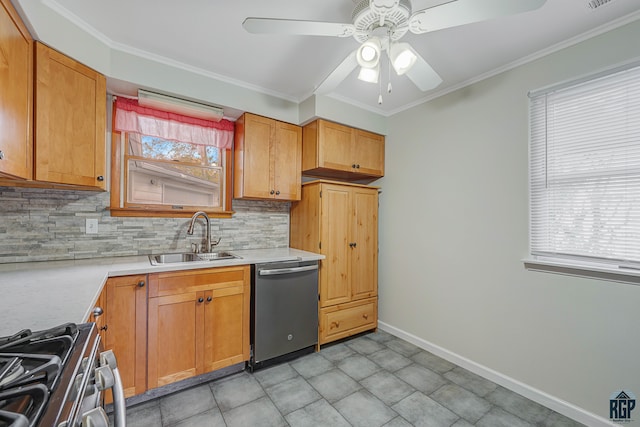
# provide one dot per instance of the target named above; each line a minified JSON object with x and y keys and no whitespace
{"x":45,"y":225}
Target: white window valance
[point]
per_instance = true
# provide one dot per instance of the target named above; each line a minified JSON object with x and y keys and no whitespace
{"x":131,"y":117}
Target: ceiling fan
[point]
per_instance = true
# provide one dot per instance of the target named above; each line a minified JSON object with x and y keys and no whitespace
{"x":378,"y":25}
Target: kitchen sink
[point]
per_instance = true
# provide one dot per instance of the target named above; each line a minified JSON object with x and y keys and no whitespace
{"x":190,"y":257}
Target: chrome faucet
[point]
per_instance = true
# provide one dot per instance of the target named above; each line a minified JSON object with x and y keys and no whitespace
{"x":208,"y":243}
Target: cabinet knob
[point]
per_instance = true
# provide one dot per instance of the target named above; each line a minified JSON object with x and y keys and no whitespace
{"x":200,"y":299}
{"x":366,"y":316}
{"x":1,"y":155}
{"x":278,"y":193}
{"x":97,"y":311}
{"x":335,"y":324}
{"x":141,"y":284}
{"x":271,"y":192}
{"x":209,"y":298}
{"x":353,"y":165}
{"x":100,"y":178}
{"x":104,"y":328}
{"x":357,"y":166}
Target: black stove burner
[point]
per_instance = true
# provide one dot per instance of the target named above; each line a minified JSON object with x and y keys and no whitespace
{"x":26,"y":337}
{"x":22,"y":406}
{"x":29,"y":368}
{"x":31,"y":364}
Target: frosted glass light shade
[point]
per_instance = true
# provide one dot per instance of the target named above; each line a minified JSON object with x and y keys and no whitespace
{"x":402,"y":57}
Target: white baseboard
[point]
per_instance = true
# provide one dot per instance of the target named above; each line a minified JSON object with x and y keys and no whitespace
{"x":565,"y":408}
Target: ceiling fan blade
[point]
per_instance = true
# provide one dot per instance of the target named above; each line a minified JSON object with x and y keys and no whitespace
{"x":338,"y":74}
{"x":292,"y":26}
{"x":460,"y":12}
{"x":422,"y":75}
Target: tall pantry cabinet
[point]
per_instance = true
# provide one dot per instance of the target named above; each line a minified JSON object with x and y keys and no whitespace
{"x":340,"y":221}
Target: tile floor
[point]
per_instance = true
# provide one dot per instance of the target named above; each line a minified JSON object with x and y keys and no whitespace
{"x":371,"y":380}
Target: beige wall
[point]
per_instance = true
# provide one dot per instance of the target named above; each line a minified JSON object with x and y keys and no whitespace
{"x":454,"y":229}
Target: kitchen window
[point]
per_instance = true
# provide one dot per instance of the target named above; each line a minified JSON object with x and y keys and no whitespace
{"x":167,"y":164}
{"x":584,"y":174}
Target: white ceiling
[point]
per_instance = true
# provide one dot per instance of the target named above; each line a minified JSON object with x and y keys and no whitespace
{"x":208,"y":34}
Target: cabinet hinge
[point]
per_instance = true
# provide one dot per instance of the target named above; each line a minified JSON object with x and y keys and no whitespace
{"x":321,"y":194}
{"x":320,"y":245}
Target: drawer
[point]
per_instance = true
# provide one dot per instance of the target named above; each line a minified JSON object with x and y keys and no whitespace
{"x":344,"y":320}
{"x":188,"y":281}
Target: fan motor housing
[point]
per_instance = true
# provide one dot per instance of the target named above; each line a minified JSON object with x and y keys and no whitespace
{"x":366,"y":20}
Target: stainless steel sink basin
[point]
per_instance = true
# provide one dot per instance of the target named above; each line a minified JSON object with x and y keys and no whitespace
{"x":211,"y":256}
{"x":190,"y":257}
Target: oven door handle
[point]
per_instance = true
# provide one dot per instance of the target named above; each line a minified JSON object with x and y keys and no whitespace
{"x":276,"y":271}
{"x":119,"y":410}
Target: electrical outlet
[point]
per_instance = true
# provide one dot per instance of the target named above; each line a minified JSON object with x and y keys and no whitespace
{"x":92,"y":226}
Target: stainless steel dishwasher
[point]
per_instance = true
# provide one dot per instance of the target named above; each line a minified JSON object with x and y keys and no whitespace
{"x":284,"y":311}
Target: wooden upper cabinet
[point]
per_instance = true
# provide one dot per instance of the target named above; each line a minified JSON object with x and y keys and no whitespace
{"x":16,"y":94}
{"x":70,"y":121}
{"x":267,"y":159}
{"x":336,"y":151}
{"x":368,"y":153}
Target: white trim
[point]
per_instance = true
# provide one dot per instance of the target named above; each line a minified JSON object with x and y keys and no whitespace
{"x":629,"y":275}
{"x":117,"y":46}
{"x":524,"y":60}
{"x":64,"y":12}
{"x":565,"y":408}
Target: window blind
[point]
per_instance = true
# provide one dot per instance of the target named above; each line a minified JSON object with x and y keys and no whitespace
{"x":584,"y":169}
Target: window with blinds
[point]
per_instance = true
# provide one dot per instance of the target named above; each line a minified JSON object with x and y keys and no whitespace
{"x":584,"y":169}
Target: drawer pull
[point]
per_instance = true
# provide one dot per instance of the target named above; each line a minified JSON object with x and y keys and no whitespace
{"x":337,"y":325}
{"x":366,"y":316}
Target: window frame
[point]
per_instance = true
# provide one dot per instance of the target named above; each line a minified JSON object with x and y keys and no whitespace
{"x":118,"y":177}
{"x":581,"y":266}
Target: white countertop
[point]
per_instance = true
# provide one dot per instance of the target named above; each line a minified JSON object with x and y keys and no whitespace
{"x":40,"y":295}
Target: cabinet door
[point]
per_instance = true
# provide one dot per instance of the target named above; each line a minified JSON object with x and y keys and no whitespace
{"x":368,"y":153}
{"x":364,"y":254}
{"x":254,"y":158}
{"x":335,"y":146}
{"x":335,"y":217}
{"x":287,"y":159}
{"x":198,"y":322}
{"x":16,"y":99}
{"x":70,"y":123}
{"x":126,"y":329}
{"x":175,"y":323}
{"x":226,"y":326}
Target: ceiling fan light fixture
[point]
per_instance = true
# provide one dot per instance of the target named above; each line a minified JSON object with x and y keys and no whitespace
{"x":369,"y":74}
{"x":368,"y":54}
{"x":402,"y":57}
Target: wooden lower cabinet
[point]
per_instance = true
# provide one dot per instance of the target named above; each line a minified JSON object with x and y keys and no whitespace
{"x":198,"y":321}
{"x":123,"y":328}
{"x":343,"y":320}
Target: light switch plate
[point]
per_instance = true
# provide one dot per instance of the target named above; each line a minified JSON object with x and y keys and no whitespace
{"x":92,"y":226}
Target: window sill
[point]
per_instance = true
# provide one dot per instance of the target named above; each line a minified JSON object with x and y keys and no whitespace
{"x":156,"y":213}
{"x":612,"y":273}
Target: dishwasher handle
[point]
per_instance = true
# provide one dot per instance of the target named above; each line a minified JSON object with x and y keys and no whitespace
{"x":291,"y":270}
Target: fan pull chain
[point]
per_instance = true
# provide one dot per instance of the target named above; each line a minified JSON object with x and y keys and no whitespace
{"x":389,"y":70}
